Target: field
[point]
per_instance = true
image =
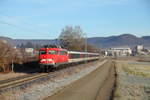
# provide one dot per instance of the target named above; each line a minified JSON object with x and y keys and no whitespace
{"x":133,"y":80}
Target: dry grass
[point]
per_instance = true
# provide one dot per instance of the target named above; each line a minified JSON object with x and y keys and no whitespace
{"x":133,"y":80}
{"x":137,"y":70}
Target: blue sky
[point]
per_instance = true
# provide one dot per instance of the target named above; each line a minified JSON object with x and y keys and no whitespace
{"x":44,"y":19}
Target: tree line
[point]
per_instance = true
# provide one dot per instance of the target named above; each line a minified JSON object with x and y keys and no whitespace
{"x":10,"y":56}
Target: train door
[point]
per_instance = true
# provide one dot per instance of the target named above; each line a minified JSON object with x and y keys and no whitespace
{"x":63,"y":56}
{"x":53,"y":54}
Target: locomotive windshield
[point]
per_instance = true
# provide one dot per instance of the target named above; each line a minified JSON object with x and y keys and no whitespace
{"x":42,"y":52}
{"x":52,"y":52}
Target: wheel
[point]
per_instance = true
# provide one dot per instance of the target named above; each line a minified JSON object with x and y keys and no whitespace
{"x":41,"y":68}
{"x":47,"y":68}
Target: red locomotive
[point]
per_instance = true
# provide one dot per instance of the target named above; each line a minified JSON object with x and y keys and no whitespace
{"x":50,"y":57}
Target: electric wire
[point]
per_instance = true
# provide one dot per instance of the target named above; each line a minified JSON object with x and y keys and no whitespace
{"x":21,"y":28}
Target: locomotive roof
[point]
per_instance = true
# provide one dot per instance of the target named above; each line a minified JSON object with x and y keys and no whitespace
{"x":76,"y":52}
{"x":52,"y":49}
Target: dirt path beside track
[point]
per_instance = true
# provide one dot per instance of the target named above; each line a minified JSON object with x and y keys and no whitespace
{"x":97,"y":85}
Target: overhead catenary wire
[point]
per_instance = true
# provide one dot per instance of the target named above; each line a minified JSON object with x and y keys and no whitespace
{"x":27,"y":23}
{"x":20,"y":27}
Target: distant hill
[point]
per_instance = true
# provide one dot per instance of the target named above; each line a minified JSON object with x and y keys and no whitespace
{"x":19,"y":42}
{"x":34,"y":41}
{"x":9,"y":40}
{"x":103,"y":42}
{"x":121,"y":40}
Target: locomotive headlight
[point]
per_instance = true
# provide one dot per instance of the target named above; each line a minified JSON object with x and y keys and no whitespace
{"x":43,"y":60}
{"x":49,"y":59}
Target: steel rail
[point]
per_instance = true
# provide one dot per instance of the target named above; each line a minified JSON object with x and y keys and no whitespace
{"x":10,"y":83}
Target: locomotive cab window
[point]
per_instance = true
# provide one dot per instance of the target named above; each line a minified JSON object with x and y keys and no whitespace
{"x":52,"y":52}
{"x":63,"y":53}
{"x":42,"y":52}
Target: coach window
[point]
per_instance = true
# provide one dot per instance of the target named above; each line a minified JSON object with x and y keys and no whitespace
{"x":52,"y":52}
{"x":63,"y":52}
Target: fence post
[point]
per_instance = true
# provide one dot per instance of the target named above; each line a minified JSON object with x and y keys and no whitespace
{"x":12,"y":66}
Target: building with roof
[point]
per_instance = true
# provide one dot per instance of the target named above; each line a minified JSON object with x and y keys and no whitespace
{"x":120,"y":51}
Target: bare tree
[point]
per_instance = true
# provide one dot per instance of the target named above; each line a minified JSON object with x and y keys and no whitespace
{"x":71,"y":38}
{"x":6,"y":55}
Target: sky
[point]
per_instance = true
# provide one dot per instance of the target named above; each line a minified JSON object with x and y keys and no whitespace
{"x":44,"y":19}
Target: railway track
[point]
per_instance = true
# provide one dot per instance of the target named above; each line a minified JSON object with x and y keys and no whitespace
{"x":26,"y":80}
{"x":21,"y":81}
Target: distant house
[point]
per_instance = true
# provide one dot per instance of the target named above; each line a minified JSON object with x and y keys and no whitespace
{"x":120,"y":51}
{"x":4,"y":41}
{"x":139,"y":49}
{"x":147,"y":49}
{"x":104,"y":52}
{"x":29,"y":50}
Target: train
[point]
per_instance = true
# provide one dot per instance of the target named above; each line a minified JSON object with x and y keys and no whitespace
{"x":52,"y":57}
